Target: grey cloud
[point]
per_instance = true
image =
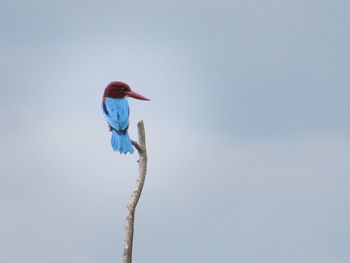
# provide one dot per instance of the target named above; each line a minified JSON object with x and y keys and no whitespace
{"x":247,"y":130}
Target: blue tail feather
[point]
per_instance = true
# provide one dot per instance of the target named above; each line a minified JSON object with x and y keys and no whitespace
{"x":121,"y":143}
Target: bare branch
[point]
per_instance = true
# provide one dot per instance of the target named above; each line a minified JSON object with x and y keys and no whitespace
{"x":129,"y":226}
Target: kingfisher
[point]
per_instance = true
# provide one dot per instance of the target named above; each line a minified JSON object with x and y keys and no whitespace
{"x":116,"y":111}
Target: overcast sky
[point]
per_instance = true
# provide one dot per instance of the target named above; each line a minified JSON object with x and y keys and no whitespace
{"x":247,"y":130}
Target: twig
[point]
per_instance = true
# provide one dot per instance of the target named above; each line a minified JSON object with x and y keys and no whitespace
{"x":137,"y":146}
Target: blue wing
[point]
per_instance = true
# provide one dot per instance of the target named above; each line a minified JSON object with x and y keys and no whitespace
{"x":116,"y":112}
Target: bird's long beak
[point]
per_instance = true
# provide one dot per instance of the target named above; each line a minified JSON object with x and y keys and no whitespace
{"x":135,"y":95}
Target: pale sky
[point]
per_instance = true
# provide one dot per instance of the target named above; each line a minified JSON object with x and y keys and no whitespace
{"x":247,"y":131}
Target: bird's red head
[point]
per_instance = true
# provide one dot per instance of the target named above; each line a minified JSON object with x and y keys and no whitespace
{"x":120,"y":90}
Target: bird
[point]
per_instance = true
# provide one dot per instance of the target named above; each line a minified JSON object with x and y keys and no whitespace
{"x":116,"y":111}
